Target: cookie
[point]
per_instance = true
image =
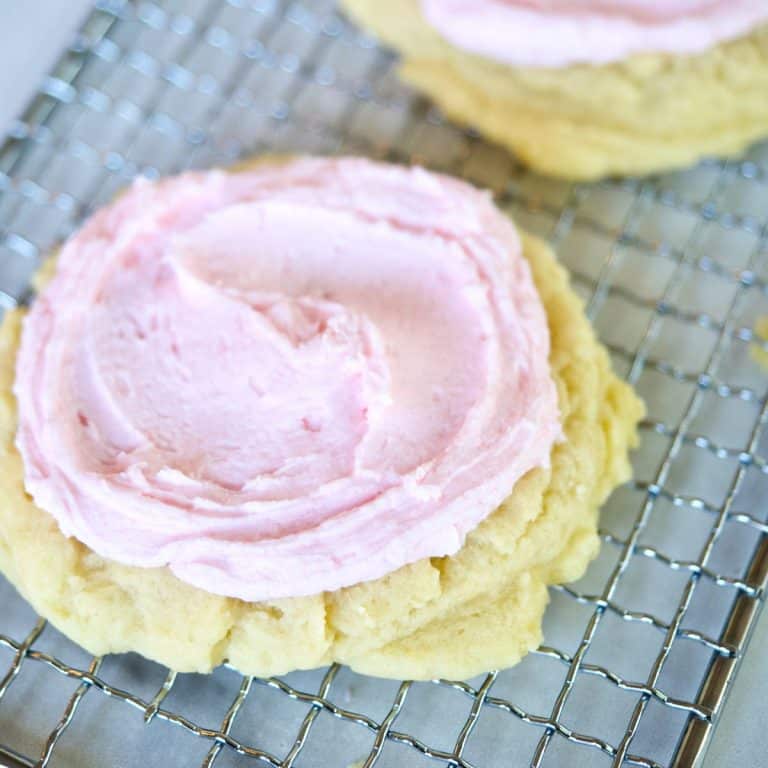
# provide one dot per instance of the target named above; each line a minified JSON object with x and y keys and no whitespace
{"x":647,"y":113}
{"x":451,"y":616}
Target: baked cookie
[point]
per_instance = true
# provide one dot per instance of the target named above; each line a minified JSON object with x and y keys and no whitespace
{"x":624,"y":88}
{"x":130,"y":536}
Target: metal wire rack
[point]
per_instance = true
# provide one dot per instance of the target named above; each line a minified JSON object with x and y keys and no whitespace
{"x":675,"y":275}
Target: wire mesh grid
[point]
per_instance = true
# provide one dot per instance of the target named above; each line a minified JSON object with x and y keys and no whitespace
{"x":675,"y":276}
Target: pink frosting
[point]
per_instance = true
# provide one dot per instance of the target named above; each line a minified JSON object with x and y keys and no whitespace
{"x":557,"y":33}
{"x":286,"y":380}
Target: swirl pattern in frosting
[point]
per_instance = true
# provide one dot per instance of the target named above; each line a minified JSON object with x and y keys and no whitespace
{"x":285,"y":380}
{"x":558,"y":33}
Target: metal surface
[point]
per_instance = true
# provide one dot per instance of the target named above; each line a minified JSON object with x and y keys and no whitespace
{"x":674,"y":271}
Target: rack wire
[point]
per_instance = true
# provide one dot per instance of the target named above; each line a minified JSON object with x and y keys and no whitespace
{"x":673,"y":268}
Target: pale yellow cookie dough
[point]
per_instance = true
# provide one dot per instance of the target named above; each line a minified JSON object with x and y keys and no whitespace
{"x":758,"y":351}
{"x":446,"y":617}
{"x":648,"y":113}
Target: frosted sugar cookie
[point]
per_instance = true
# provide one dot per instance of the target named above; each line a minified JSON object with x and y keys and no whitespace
{"x":588,"y":89}
{"x":311,"y":411}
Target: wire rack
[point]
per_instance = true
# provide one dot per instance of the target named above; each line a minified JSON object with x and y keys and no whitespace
{"x":674,"y":272}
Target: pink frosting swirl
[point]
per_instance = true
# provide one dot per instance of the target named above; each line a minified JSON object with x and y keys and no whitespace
{"x":557,"y":33}
{"x":285,"y":380}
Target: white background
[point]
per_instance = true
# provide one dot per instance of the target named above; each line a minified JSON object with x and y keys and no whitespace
{"x":32,"y":33}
